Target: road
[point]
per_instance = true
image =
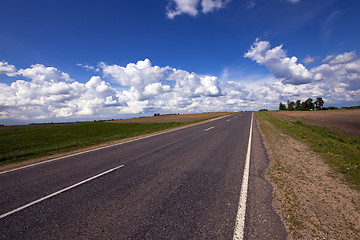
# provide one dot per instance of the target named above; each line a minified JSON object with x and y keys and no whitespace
{"x":184,"y":184}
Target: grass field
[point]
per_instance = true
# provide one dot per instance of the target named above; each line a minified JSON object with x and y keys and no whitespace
{"x":341,"y":151}
{"x":18,"y":143}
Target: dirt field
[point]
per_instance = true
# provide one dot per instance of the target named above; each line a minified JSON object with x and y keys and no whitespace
{"x":344,"y":121}
{"x":173,"y":118}
{"x":314,"y":201}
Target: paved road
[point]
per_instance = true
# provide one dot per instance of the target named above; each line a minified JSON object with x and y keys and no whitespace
{"x":184,"y":184}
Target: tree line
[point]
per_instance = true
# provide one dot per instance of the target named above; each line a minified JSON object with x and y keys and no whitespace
{"x":307,"y":105}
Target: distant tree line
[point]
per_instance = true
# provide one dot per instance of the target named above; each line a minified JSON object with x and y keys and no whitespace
{"x":307,"y":105}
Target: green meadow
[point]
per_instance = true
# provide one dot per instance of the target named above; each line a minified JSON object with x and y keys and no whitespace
{"x":18,"y":143}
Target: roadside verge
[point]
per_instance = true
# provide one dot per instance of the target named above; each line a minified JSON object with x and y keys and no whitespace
{"x":313,"y":200}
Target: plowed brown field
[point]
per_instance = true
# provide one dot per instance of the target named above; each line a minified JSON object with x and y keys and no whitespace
{"x":344,"y":121}
{"x":173,"y":118}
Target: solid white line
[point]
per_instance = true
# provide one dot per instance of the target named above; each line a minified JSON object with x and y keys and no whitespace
{"x":240,"y":217}
{"x":112,"y":145}
{"x":208,"y":129}
{"x":58,"y":192}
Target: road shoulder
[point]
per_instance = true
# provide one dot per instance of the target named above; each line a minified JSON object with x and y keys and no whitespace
{"x":262,"y":221}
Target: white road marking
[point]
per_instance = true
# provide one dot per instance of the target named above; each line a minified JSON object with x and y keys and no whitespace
{"x":228,"y":120}
{"x":58,"y":192}
{"x":240,"y":217}
{"x":208,"y":129}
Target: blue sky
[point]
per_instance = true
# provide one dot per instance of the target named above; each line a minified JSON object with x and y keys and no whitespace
{"x":84,"y":60}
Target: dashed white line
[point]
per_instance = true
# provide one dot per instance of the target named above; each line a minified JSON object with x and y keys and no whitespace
{"x":208,"y":129}
{"x":240,"y":217}
{"x":58,"y":192}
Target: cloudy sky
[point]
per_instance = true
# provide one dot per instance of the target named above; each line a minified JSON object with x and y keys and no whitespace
{"x":89,"y":59}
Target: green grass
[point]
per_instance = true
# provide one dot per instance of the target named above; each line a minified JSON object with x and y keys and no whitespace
{"x":341,"y":151}
{"x":18,"y":143}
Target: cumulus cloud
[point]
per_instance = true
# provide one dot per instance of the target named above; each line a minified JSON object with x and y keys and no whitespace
{"x":40,"y":73}
{"x":343,"y":69}
{"x":152,"y":87}
{"x":194,"y":85}
{"x":145,"y":81}
{"x":42,"y":93}
{"x":344,"y":58}
{"x":139,"y":73}
{"x":191,"y":7}
{"x":337,"y":79}
{"x":7,"y":69}
{"x":353,"y":67}
{"x":277,"y":62}
{"x":52,"y":94}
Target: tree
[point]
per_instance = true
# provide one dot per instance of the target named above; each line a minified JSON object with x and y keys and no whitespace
{"x":282,"y":107}
{"x":298,"y":105}
{"x":309,"y":104}
{"x":319,"y":103}
{"x":290,"y":105}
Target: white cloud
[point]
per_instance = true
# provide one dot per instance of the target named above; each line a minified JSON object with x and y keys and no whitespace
{"x":139,"y":73}
{"x":7,"y":69}
{"x":48,"y":94}
{"x":183,"y":6}
{"x":88,"y":67}
{"x":353,"y":67}
{"x":277,"y":62}
{"x":337,"y":80}
{"x":194,"y":85}
{"x":211,"y":5}
{"x":346,"y":57}
{"x":308,"y":60}
{"x":343,"y":70}
{"x":328,"y":58}
{"x":40,"y":73}
{"x":190,"y":7}
{"x":145,"y":81}
{"x":52,"y":94}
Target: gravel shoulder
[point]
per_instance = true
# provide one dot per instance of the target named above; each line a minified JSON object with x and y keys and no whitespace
{"x":314,"y":201}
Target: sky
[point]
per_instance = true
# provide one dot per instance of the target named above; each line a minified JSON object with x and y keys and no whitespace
{"x":84,"y":60}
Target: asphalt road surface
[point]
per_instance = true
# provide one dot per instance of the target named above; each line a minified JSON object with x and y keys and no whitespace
{"x":184,"y":184}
